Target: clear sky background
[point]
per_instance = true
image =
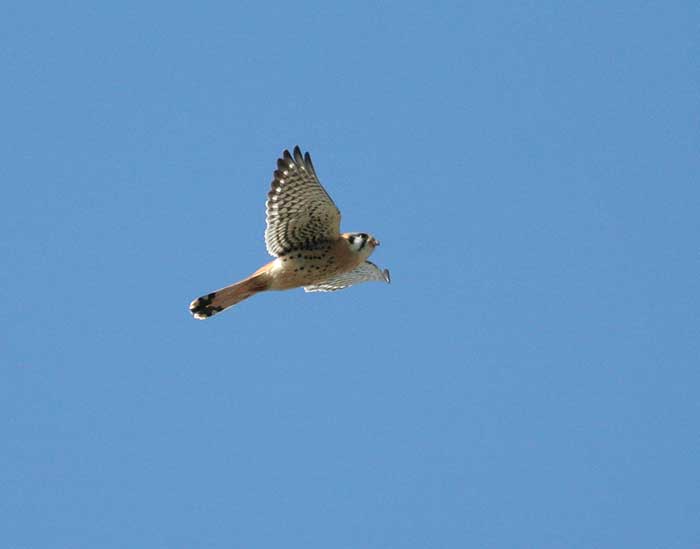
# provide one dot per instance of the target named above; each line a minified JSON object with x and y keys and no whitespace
{"x":529,"y":379}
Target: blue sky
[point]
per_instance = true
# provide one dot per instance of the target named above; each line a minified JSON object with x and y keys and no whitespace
{"x":530,"y":377}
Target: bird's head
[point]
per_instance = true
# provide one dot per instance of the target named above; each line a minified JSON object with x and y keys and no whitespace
{"x":361,"y":242}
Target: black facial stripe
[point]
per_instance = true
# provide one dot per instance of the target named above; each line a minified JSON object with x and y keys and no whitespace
{"x":364,"y":242}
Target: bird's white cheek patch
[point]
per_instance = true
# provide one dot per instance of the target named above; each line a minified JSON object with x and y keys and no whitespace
{"x":357,"y":244}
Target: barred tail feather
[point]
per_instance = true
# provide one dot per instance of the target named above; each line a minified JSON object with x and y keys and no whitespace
{"x":215,"y":302}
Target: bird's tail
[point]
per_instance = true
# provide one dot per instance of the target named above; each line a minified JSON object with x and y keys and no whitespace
{"x":215,"y":302}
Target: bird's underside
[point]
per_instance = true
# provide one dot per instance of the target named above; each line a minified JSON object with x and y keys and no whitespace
{"x":303,"y":234}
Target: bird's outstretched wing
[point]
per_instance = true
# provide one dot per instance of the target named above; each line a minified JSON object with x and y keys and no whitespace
{"x":299,"y":210}
{"x":367,"y":272}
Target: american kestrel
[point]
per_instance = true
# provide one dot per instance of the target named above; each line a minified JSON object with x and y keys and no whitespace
{"x":303,"y":234}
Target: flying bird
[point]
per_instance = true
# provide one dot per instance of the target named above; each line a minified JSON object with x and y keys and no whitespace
{"x":303,"y":234}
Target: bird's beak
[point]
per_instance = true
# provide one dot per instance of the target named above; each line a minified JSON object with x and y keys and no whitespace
{"x":376,"y":242}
